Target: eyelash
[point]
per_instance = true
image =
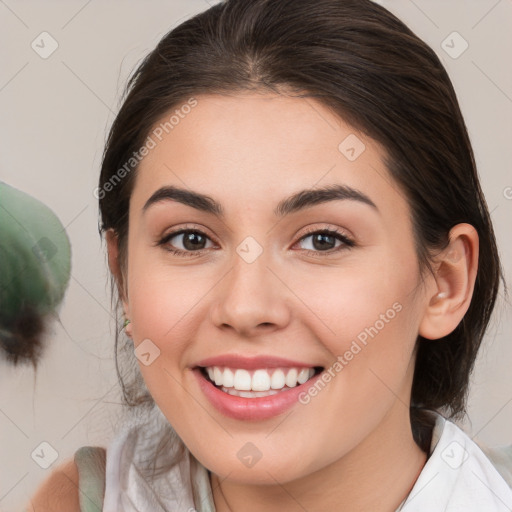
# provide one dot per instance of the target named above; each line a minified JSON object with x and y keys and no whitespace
{"x":346,"y":245}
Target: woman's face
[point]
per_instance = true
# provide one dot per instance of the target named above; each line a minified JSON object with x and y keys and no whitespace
{"x":261,"y":298}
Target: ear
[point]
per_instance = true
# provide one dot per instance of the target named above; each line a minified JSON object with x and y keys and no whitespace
{"x":115,"y":268}
{"x":455,"y":274}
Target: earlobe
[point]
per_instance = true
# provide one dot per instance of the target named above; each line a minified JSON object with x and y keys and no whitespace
{"x":113,"y":263}
{"x":455,"y":276}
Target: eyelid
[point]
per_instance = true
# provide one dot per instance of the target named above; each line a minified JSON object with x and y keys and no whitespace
{"x":171,"y":232}
{"x":328,"y":227}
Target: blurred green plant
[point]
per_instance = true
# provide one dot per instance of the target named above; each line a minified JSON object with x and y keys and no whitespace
{"x":35,"y":267}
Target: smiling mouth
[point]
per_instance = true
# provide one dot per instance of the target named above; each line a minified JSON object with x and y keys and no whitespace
{"x":260,"y":382}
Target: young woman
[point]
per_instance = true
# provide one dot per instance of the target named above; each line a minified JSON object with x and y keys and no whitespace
{"x":307,"y":266}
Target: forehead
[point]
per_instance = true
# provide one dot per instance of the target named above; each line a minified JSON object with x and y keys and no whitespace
{"x":260,"y":148}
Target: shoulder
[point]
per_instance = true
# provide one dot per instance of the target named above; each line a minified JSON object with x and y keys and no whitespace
{"x":501,"y":458}
{"x":495,"y":461}
{"x":59,"y":492}
{"x":77,"y":485}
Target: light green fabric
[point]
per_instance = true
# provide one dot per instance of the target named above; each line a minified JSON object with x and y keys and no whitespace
{"x":91,"y":463}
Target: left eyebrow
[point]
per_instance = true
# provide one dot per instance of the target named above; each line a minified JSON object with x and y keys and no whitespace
{"x":310,"y":197}
{"x":297,"y":201}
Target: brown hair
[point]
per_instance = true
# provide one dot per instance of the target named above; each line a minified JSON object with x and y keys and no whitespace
{"x":359,"y":60}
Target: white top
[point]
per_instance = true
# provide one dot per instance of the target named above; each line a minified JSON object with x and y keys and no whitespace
{"x":457,"y":476}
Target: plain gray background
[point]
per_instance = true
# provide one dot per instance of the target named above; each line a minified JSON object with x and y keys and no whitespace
{"x":55,"y":116}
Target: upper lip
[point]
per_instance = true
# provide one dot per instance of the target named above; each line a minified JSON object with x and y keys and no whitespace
{"x":252,"y":363}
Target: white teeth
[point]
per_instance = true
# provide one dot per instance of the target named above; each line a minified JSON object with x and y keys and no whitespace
{"x":260,"y":381}
{"x":278,"y":380}
{"x":291,"y":378}
{"x":303,"y":375}
{"x":249,"y":394}
{"x":228,"y":378}
{"x":217,"y":376}
{"x":242,"y":380}
{"x":264,"y":381}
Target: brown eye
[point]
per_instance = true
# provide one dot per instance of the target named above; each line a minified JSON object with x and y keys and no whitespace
{"x":322,"y":241}
{"x":325,"y":241}
{"x":192,"y":241}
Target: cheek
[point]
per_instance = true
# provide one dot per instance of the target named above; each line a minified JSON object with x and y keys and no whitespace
{"x":367,"y":318}
{"x":366,"y":296}
{"x":163,"y":298}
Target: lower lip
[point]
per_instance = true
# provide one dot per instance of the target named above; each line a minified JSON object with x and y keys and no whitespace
{"x":259,"y":408}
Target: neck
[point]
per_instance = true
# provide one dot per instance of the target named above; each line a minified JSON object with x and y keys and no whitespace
{"x":377,"y":475}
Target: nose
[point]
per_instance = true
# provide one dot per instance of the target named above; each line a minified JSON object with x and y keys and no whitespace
{"x":252,"y":298}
